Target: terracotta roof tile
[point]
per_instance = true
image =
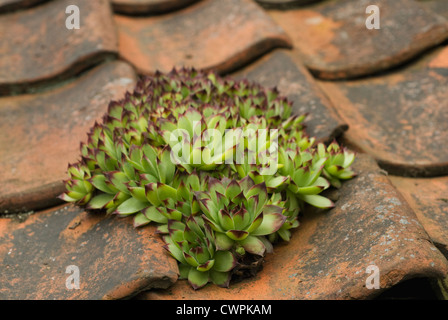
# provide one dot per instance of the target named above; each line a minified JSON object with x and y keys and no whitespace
{"x":428,"y":197}
{"x":439,"y":7}
{"x":10,"y":5}
{"x":55,"y":82}
{"x":113,"y":259}
{"x":335,"y":43}
{"x":216,"y":34}
{"x":283,"y":70}
{"x":401,"y":118}
{"x":141,"y":7}
{"x":284,"y":4}
{"x":41,"y":134}
{"x":329,"y":253}
{"x":36,"y":46}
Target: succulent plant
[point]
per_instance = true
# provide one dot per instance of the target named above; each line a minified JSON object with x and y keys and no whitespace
{"x":239,"y":214}
{"x":305,"y":173}
{"x":222,"y":167}
{"x":193,"y":244}
{"x":79,"y":189}
{"x":194,"y":129}
{"x":337,"y":167}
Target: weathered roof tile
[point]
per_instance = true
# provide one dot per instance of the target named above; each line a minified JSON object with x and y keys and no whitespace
{"x":284,"y":4}
{"x":140,"y":7}
{"x":439,"y":7}
{"x":212,"y":34}
{"x":41,"y":134}
{"x":37,"y":47}
{"x":114,"y":260}
{"x":429,"y":199}
{"x":283,"y":70}
{"x":10,"y":5}
{"x":399,"y":118}
{"x":335,"y":43}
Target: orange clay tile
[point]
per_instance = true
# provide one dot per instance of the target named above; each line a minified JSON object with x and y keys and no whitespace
{"x":329,"y":253}
{"x":212,"y":34}
{"x":10,"y":5}
{"x":139,"y":7}
{"x":429,"y":199}
{"x":41,"y":134}
{"x":284,"y":4}
{"x":283,"y":70}
{"x":401,"y":118}
{"x":335,"y":43}
{"x":439,"y":7}
{"x":114,"y":260}
{"x":37,"y":48}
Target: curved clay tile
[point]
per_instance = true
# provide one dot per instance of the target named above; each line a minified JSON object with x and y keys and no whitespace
{"x":335,"y":43}
{"x":212,"y":34}
{"x":114,"y":260}
{"x":284,"y":4}
{"x":41,"y":134}
{"x":139,"y":7}
{"x":439,"y":7}
{"x":428,"y":198}
{"x":401,"y":118}
{"x":283,"y":70}
{"x":10,"y":5}
{"x":330,"y":252}
{"x":36,"y":46}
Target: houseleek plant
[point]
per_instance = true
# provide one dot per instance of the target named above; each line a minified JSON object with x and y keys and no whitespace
{"x":222,"y":167}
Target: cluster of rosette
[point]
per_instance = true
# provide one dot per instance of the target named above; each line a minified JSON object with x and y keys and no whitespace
{"x":162,"y":155}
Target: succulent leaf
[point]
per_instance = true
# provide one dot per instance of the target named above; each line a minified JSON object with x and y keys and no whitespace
{"x":197,"y":279}
{"x":270,"y":224}
{"x":253,"y":245}
{"x":140,"y":220}
{"x":223,"y":242}
{"x":153,"y":214}
{"x":100,"y":201}
{"x":317,"y":201}
{"x":224,"y":261}
{"x":221,"y":279}
{"x":237,"y":235}
{"x":130,"y":206}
